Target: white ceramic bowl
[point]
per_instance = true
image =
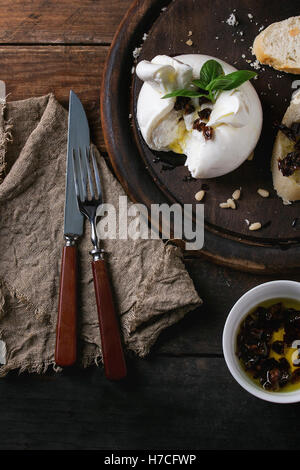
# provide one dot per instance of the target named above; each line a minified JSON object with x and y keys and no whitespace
{"x":252,"y":298}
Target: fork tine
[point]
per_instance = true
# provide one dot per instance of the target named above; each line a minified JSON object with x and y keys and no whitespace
{"x":87,"y":164}
{"x":75,"y":173}
{"x":83,"y":180}
{"x":96,"y":173}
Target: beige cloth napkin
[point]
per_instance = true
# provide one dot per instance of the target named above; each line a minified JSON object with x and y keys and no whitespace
{"x":152,"y":289}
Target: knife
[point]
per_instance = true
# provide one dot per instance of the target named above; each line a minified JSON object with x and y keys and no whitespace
{"x":66,"y":343}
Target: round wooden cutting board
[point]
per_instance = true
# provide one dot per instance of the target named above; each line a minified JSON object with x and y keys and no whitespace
{"x":159,"y":27}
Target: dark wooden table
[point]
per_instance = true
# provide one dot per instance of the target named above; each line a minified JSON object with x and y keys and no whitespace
{"x":182,"y":396}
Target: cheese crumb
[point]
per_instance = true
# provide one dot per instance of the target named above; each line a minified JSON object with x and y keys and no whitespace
{"x":136,"y":52}
{"x":255,"y":64}
{"x":190,"y":33}
{"x":231,"y":20}
{"x":250,"y":16}
{"x":189,"y":42}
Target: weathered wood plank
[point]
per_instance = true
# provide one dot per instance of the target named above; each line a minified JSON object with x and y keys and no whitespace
{"x":177,"y":403}
{"x":60,"y":21}
{"x":37,"y":70}
{"x":200,"y":332}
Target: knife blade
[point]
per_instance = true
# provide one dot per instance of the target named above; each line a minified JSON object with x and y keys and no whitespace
{"x":78,"y":137}
{"x":66,"y":343}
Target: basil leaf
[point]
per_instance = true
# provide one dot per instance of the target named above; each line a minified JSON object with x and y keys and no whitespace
{"x":199,"y":84}
{"x":209,"y":72}
{"x":232,"y":80}
{"x":188,"y":93}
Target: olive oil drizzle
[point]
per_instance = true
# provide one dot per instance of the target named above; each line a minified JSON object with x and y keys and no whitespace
{"x":289,"y":353}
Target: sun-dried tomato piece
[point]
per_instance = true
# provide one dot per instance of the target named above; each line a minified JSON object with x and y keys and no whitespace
{"x":207,"y":131}
{"x":278,"y":347}
{"x":184,"y":103}
{"x":295,"y":127}
{"x":295,"y":376}
{"x":203,"y":100}
{"x":289,"y":164}
{"x":287,"y":131}
{"x":204,"y":114}
{"x":198,"y":125}
{"x":189,"y":108}
{"x":181,"y":102}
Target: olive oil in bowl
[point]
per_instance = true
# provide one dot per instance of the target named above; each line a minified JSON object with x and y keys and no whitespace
{"x":268,"y":345}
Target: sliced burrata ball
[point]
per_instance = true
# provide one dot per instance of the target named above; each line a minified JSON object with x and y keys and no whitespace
{"x":236,"y":116}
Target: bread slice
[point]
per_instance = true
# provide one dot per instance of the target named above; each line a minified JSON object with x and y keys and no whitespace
{"x":287,"y":187}
{"x":279,"y":45}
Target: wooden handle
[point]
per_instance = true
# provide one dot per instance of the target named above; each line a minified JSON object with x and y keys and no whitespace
{"x":113,"y":357}
{"x":65,"y":349}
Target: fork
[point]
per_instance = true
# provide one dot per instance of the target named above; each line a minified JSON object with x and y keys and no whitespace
{"x":89,"y":198}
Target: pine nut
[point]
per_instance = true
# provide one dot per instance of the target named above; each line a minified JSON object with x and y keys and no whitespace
{"x":236,"y":194}
{"x":263,"y":192}
{"x":255,"y":226}
{"x":224,"y":205}
{"x":231,"y":203}
{"x":200,"y":195}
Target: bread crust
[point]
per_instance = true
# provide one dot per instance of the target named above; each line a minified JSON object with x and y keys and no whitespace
{"x":287,"y":188}
{"x":264,"y":58}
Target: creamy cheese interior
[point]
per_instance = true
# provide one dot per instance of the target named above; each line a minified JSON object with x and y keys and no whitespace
{"x":236,"y":117}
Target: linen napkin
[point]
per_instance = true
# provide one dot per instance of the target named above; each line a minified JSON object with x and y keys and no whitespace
{"x":151,"y":287}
